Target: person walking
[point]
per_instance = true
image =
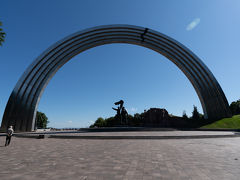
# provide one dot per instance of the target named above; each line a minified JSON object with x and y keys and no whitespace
{"x":9,"y":135}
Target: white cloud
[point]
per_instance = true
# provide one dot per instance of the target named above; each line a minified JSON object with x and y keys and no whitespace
{"x":133,"y":109}
{"x":70,"y":122}
{"x":193,"y":24}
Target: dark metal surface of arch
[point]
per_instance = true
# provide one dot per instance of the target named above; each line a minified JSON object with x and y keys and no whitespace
{"x":23,"y":102}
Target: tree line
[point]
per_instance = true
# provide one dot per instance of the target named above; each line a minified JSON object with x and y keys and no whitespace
{"x":137,"y":119}
{"x":195,"y":120}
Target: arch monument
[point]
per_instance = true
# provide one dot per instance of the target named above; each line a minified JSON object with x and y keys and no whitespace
{"x":22,"y":105}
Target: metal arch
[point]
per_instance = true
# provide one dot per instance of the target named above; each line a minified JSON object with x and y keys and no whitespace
{"x":23,"y":102}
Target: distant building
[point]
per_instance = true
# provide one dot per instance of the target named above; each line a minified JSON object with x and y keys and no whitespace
{"x":156,"y":117}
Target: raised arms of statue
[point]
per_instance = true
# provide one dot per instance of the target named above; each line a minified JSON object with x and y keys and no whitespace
{"x":115,"y":109}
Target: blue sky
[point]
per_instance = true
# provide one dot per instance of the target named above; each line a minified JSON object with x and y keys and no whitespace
{"x":87,"y":86}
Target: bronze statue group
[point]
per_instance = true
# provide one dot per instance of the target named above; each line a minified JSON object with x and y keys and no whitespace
{"x":122,"y":114}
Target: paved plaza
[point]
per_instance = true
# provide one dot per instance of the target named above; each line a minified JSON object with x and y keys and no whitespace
{"x":53,"y":158}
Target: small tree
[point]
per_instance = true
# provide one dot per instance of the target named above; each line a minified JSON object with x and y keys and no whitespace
{"x":100,"y":122}
{"x":111,"y":121}
{"x":131,"y":120}
{"x":195,"y":113}
{"x":184,"y":115}
{"x":42,"y":120}
{"x":2,"y":35}
{"x":137,"y":119}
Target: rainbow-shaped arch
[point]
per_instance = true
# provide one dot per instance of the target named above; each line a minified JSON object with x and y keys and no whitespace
{"x":23,"y":102}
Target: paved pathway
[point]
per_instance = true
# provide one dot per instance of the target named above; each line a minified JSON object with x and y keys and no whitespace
{"x":84,"y":159}
{"x":152,"y":133}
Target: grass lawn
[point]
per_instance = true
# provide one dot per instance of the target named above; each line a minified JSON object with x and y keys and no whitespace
{"x":226,"y":123}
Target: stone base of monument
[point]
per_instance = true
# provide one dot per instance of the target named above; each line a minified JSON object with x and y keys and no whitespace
{"x":132,"y":135}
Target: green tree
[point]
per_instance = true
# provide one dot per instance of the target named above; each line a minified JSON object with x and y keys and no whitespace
{"x":137,"y":119}
{"x":100,"y":122}
{"x":111,"y":121}
{"x":195,"y":113}
{"x":2,"y":34}
{"x":235,"y":107}
{"x":42,"y":120}
{"x":184,"y":115}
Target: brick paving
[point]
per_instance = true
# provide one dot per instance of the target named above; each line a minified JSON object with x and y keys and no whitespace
{"x":50,"y":158}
